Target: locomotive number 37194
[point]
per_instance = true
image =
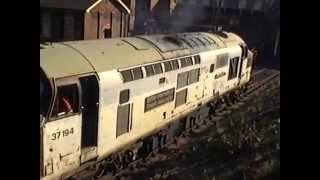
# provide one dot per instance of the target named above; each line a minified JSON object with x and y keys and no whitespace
{"x":60,"y":134}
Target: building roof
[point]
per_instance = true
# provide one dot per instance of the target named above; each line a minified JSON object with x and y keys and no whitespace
{"x":78,"y":57}
{"x":67,"y":4}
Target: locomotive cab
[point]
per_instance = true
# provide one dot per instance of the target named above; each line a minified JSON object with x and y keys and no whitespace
{"x":69,"y":123}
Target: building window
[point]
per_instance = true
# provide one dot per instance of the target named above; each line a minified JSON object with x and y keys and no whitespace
{"x":68,"y":27}
{"x":124,"y":96}
{"x":107,"y":33}
{"x":181,"y":97}
{"x":159,"y":99}
{"x":67,"y":101}
{"x":46,"y":25}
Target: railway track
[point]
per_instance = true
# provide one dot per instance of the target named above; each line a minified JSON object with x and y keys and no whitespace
{"x":263,"y":78}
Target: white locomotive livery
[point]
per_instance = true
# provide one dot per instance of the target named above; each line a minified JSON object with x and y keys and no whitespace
{"x":99,"y":97}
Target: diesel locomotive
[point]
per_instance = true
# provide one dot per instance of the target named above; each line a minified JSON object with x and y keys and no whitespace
{"x":108,"y":99}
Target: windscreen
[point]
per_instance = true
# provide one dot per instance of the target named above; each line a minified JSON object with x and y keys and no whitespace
{"x":45,"y":94}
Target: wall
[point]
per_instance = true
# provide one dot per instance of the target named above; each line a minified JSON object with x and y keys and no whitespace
{"x":106,"y":15}
{"x":132,"y":5}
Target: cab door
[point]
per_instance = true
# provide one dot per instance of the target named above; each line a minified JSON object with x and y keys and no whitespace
{"x":62,"y":131}
{"x":90,"y":117}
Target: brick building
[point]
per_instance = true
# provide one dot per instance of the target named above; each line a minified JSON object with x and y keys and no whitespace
{"x":62,"y":20}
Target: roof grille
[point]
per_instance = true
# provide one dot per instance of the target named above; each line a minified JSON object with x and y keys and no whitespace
{"x":173,"y":40}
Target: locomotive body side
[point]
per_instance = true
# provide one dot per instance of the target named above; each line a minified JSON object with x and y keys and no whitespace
{"x":142,"y":122}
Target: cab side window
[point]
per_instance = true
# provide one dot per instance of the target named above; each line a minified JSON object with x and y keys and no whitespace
{"x":67,"y":101}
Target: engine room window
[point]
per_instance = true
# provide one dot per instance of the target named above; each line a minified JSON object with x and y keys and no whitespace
{"x":211,"y":68}
{"x":157,"y":68}
{"x":124,"y":96}
{"x":67,"y":101}
{"x":126,"y":75}
{"x":193,"y":76}
{"x":137,"y":73}
{"x":183,"y":62}
{"x":181,"y":97}
{"x":197,"y":59}
{"x":187,"y":78}
{"x":189,"y":61}
{"x":175,"y":64}
{"x":167,"y":66}
{"x":182,"y":80}
{"x":222,"y":60}
{"x":149,"y":70}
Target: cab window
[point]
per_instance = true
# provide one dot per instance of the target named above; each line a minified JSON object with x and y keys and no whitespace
{"x":67,"y":101}
{"x":45,"y":94}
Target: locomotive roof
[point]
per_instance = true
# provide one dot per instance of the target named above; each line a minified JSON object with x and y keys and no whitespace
{"x":79,"y":57}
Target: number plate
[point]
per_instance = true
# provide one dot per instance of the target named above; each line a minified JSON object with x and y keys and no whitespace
{"x":60,"y":134}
